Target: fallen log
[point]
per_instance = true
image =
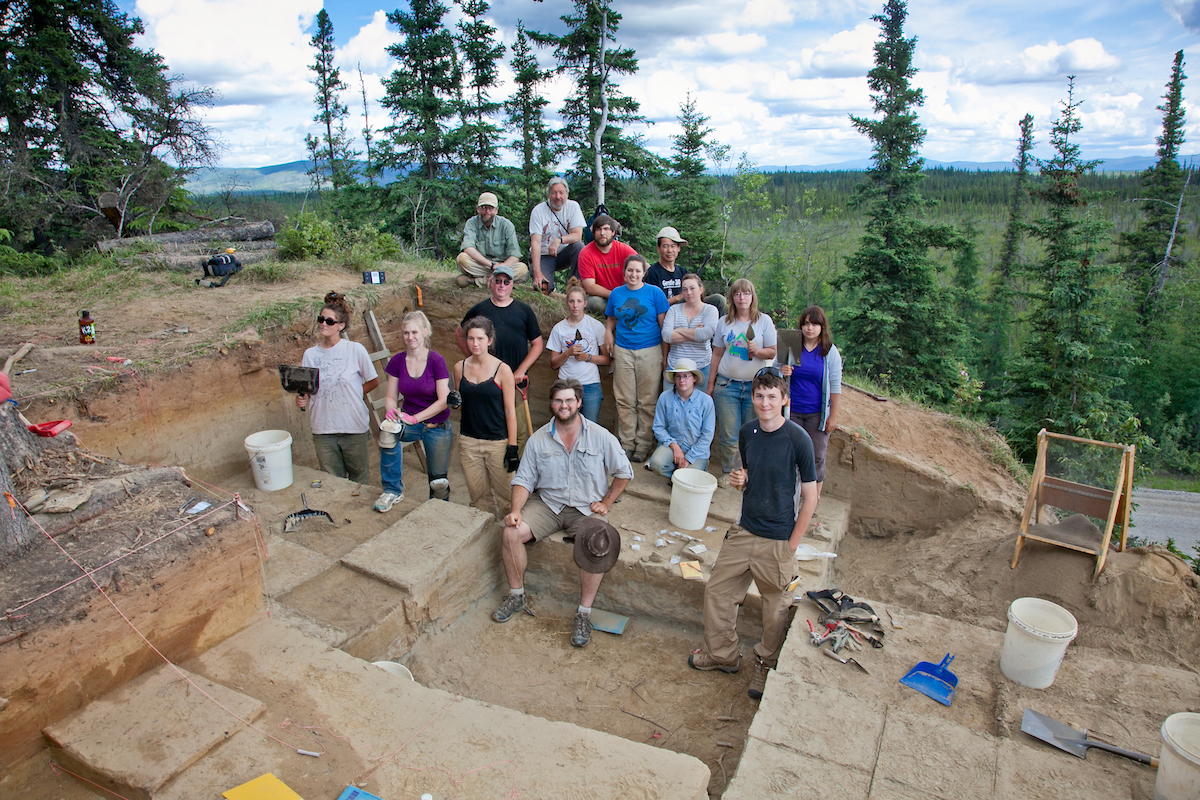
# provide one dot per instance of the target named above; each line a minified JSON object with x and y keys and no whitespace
{"x":240,"y":233}
{"x":107,"y":494}
{"x":191,"y":263}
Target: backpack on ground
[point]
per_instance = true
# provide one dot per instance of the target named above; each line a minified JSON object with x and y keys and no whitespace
{"x":223,"y":266}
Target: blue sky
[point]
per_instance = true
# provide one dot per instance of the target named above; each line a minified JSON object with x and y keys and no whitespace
{"x":778,"y":78}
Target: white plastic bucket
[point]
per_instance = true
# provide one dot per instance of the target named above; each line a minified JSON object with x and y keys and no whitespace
{"x":1179,"y":762}
{"x":270,"y":459}
{"x":1036,"y":641}
{"x":691,"y":493}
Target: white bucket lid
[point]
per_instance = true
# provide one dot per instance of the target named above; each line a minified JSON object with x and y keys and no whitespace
{"x":1043,"y":619}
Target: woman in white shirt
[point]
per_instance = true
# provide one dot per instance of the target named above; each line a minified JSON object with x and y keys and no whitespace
{"x":337,"y":413}
{"x":743,"y":344}
{"x":575,"y":349}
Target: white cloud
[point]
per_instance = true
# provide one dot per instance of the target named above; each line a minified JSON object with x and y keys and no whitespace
{"x":1049,"y":61}
{"x":766,"y":13}
{"x":1186,"y":11}
{"x":368,"y":47}
{"x":734,"y":44}
{"x":845,"y":54}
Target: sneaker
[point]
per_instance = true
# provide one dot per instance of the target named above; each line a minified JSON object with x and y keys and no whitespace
{"x":581,"y":629}
{"x":463,"y":281}
{"x":637,"y":458}
{"x":511,"y":605}
{"x":704,"y":661}
{"x":387,"y":500}
{"x":758,"y":681}
{"x":439,"y":488}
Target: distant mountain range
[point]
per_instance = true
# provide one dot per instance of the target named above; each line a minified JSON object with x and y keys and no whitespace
{"x":293,"y":176}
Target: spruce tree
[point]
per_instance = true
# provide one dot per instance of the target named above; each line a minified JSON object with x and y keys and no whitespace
{"x":585,"y":53}
{"x":900,"y":328}
{"x":479,"y":136}
{"x":1000,"y":314}
{"x":335,"y":151}
{"x":424,"y":91}
{"x":424,"y":95}
{"x":1067,"y":369}
{"x":690,"y":202}
{"x":1147,"y":263}
{"x":535,"y":143}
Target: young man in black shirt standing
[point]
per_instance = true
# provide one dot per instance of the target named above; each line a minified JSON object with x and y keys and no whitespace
{"x":777,"y":454}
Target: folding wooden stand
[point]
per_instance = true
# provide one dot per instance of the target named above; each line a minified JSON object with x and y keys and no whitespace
{"x":1076,"y":533}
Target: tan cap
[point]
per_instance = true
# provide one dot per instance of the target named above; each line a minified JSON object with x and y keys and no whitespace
{"x":670,"y":233}
{"x":487,"y":199}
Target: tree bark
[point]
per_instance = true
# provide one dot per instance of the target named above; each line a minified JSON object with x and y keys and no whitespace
{"x":241,"y":233}
{"x":18,"y":447}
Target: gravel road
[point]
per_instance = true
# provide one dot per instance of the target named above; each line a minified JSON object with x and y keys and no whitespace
{"x":1161,"y":513}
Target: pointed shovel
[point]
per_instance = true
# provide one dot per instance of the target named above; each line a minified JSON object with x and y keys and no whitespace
{"x":1072,"y":741}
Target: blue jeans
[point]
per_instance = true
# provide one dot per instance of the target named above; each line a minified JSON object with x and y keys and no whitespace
{"x":734,"y":405}
{"x":437,"y":440}
{"x":663,"y":462}
{"x":593,"y":394}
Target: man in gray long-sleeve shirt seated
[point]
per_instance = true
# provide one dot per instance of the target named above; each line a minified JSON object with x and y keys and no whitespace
{"x":562,"y":481}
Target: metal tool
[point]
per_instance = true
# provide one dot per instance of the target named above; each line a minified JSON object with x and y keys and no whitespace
{"x":299,"y":380}
{"x":292,"y":520}
{"x":933,"y":680}
{"x":1070,"y":740}
{"x":847,"y":660}
{"x":523,"y":387}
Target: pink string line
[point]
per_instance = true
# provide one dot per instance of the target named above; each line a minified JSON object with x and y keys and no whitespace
{"x":60,"y":768}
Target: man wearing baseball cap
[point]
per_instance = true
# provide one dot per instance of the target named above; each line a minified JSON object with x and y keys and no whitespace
{"x":684,"y":422}
{"x":489,"y":240}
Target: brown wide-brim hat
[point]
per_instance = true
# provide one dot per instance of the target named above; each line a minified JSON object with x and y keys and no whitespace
{"x":597,"y":545}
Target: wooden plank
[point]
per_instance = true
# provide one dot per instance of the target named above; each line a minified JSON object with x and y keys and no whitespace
{"x":1097,"y":442}
{"x":1078,"y":497}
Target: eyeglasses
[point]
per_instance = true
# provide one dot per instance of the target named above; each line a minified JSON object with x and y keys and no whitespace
{"x":328,"y":320}
{"x":769,"y":371}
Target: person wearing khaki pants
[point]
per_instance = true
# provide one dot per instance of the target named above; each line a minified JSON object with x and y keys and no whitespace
{"x":633,"y":337}
{"x":483,"y":465}
{"x":777,"y":454}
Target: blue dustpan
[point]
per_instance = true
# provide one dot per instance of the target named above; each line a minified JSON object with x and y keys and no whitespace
{"x":933,"y":680}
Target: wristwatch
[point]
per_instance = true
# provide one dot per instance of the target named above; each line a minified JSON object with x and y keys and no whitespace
{"x":589,"y":358}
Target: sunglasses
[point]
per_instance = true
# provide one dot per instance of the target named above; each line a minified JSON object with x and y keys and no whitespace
{"x":328,"y":320}
{"x":769,"y":371}
{"x":502,"y":280}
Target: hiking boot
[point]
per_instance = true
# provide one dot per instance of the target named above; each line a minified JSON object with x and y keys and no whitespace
{"x":581,"y":629}
{"x":723,"y":481}
{"x":387,"y":500}
{"x":511,"y":605}
{"x":704,"y":661}
{"x":758,"y":681}
{"x":463,"y":281}
{"x":439,"y":488}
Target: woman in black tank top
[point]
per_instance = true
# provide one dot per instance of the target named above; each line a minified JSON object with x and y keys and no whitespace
{"x":488,"y":422}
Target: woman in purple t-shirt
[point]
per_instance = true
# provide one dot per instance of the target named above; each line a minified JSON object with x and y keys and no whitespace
{"x":816,"y":384}
{"x":419,"y":378}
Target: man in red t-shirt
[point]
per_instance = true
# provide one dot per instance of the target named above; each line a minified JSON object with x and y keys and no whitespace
{"x":602,"y":262}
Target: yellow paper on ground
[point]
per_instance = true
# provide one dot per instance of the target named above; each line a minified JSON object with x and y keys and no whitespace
{"x":691,"y":570}
{"x":264,"y":787}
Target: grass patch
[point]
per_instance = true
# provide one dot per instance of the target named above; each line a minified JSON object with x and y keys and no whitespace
{"x":994,"y":445}
{"x":272,"y":271}
{"x":1172,"y":481}
{"x":273,"y":315}
{"x":861,"y":432}
{"x":12,"y":297}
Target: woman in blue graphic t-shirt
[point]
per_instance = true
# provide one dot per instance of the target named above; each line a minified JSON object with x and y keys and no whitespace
{"x":816,"y":385}
{"x":633,"y":337}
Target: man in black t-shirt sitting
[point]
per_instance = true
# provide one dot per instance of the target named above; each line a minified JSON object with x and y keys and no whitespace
{"x":519,"y":339}
{"x":777,"y":454}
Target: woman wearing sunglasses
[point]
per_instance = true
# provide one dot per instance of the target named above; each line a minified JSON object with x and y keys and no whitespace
{"x":743,"y":344}
{"x":337,"y":413}
{"x":816,"y":385}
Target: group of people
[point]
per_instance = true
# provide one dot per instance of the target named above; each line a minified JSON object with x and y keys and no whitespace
{"x":660,"y":339}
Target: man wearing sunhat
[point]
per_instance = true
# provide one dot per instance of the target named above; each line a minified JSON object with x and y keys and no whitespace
{"x":684,"y":422}
{"x":489,"y":240}
{"x":563,"y":484}
{"x":668,"y":276}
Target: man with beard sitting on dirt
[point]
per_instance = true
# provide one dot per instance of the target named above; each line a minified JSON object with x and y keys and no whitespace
{"x":562,"y":481}
{"x":777,"y":454}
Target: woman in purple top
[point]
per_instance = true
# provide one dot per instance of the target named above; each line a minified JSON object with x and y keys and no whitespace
{"x":419,"y":378}
{"x":816,"y":384}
